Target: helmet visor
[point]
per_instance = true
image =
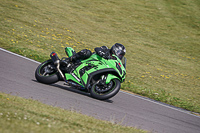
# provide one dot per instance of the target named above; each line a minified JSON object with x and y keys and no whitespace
{"x":120,"y":54}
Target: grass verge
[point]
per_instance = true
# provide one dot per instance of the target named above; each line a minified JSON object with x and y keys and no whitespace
{"x":19,"y":115}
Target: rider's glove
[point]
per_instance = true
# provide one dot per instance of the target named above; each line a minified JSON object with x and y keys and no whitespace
{"x":103,"y":52}
{"x":106,"y":55}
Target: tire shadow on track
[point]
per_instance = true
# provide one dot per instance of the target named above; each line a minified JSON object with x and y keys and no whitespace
{"x":68,"y":88}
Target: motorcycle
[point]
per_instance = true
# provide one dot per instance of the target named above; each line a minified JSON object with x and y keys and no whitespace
{"x":100,"y":77}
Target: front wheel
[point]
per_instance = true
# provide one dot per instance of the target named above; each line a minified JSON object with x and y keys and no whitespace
{"x":102,"y":93}
{"x":47,"y":73}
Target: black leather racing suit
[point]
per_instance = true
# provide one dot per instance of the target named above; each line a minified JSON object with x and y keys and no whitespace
{"x":103,"y":51}
{"x":70,"y":63}
{"x":84,"y":54}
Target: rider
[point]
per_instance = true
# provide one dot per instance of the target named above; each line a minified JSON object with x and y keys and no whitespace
{"x":103,"y":51}
{"x":83,"y":54}
{"x":117,"y":49}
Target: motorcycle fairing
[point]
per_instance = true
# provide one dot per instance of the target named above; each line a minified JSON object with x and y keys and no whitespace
{"x":95,"y":65}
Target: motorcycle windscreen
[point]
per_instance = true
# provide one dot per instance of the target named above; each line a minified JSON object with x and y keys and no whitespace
{"x":124,"y":62}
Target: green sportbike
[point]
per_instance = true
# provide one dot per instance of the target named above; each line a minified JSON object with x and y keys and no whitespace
{"x":100,"y":77}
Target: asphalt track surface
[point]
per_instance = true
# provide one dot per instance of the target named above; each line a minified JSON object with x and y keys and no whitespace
{"x":17,"y":77}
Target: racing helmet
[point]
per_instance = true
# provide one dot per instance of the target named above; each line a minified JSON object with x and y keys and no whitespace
{"x":119,"y":50}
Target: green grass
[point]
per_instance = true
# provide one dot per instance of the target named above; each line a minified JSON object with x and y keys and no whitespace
{"x":18,"y":115}
{"x":161,"y":36}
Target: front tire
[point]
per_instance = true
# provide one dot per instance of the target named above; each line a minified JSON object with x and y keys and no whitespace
{"x":114,"y":89}
{"x":46,"y":73}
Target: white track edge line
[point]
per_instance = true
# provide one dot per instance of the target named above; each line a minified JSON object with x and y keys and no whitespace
{"x":146,"y":99}
{"x":163,"y":104}
{"x":19,"y":55}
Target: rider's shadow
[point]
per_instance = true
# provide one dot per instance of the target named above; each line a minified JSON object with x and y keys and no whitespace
{"x":68,"y":88}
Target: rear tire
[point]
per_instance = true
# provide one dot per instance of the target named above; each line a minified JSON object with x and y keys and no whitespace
{"x":47,"y":78}
{"x":103,"y":96}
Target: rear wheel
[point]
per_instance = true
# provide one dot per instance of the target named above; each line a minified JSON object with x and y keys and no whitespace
{"x":104,"y":92}
{"x":47,"y":73}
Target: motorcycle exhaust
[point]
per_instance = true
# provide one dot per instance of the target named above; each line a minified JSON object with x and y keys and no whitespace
{"x":54,"y":58}
{"x":56,"y":61}
{"x":58,"y":68}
